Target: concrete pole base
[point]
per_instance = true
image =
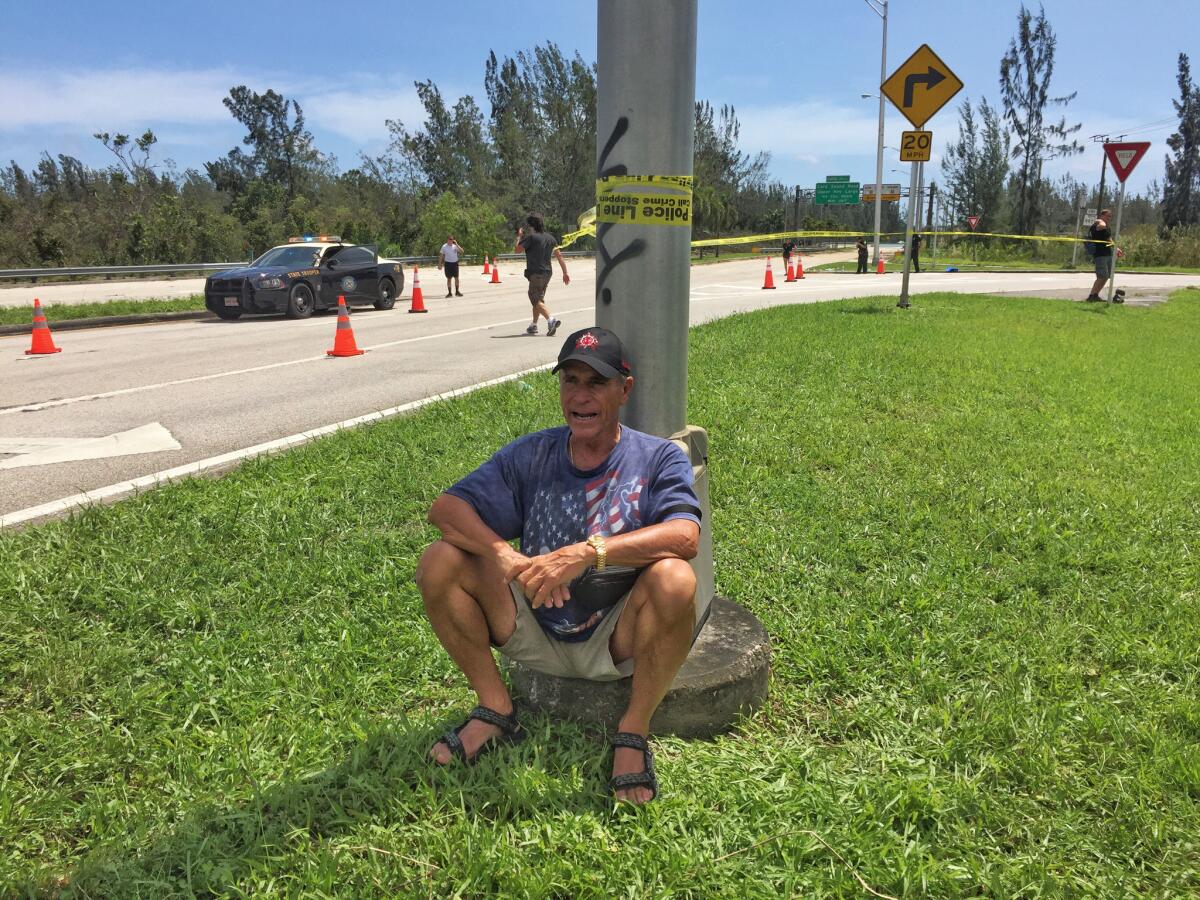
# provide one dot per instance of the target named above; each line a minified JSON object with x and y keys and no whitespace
{"x":725,"y":676}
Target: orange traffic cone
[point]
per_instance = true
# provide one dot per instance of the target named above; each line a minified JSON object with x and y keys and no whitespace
{"x":769,"y":281}
{"x":487,"y":270}
{"x":42,"y":342}
{"x":418,"y":300}
{"x":791,"y":272}
{"x":799,"y":267}
{"x":343,"y":339}
{"x":495,"y":272}
{"x":879,"y":265}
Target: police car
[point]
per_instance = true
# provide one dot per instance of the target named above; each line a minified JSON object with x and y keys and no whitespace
{"x":306,"y":274}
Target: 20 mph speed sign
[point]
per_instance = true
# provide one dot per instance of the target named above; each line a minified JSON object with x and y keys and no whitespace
{"x":915,"y":146}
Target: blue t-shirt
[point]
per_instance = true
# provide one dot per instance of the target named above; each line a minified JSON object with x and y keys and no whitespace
{"x":529,"y":489}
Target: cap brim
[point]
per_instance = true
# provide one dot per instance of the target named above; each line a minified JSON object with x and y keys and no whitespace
{"x":588,"y":360}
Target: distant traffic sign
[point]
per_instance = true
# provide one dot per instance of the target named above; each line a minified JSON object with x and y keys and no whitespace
{"x":1125,"y":157}
{"x":837,"y":177}
{"x":915,"y":146}
{"x":972,"y":221}
{"x":921,"y":86}
{"x":836,"y":192}
{"x":889,"y":192}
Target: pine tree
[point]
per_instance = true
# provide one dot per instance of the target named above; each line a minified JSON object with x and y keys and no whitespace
{"x":1181,"y":193}
{"x":1025,"y":73}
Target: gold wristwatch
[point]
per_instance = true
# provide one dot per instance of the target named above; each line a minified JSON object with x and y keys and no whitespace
{"x":596,"y":542}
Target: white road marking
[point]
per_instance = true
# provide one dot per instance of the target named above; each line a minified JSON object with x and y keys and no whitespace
{"x":152,"y":438}
{"x":234,"y":456}
{"x":64,"y":401}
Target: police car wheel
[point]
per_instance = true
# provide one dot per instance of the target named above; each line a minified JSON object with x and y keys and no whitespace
{"x":300,"y":302}
{"x":228,"y":314}
{"x":387,"y":294}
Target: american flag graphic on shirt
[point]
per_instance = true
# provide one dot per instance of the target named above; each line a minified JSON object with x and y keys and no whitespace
{"x":607,"y":506}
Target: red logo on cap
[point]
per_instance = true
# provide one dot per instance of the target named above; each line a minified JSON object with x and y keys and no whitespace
{"x":587,"y":341}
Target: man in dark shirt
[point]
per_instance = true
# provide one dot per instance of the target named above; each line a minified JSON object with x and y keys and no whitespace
{"x":916,"y":251}
{"x":582,"y":498}
{"x":538,"y":247}
{"x":861,"y":247}
{"x":1100,"y":248}
{"x":788,"y":246}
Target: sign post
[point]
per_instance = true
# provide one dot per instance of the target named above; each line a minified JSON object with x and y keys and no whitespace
{"x":973,"y":221}
{"x":1124,"y":158}
{"x":921,"y":86}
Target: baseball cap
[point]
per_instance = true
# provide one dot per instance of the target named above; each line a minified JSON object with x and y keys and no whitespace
{"x":595,"y":347}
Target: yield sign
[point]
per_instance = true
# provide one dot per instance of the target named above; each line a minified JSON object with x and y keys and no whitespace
{"x":972,"y":221}
{"x":1125,"y":157}
{"x":921,"y":86}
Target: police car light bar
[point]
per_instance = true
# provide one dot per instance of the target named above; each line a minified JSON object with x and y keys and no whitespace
{"x":324,"y":238}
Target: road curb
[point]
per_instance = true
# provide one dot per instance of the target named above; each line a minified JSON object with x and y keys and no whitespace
{"x":106,"y":321}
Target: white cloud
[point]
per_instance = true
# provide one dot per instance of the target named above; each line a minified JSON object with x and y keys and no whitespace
{"x":184,"y":106}
{"x":114,"y":99}
{"x":809,"y":132}
{"x":360,"y":114}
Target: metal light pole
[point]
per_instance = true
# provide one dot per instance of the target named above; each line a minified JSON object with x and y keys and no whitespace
{"x":645,"y":126}
{"x":643,"y":270}
{"x":880,"y":8}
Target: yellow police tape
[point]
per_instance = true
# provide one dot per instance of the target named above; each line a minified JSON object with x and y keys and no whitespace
{"x":587,"y":226}
{"x":623,"y":199}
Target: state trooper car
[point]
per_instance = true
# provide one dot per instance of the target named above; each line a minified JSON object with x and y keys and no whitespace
{"x":306,"y":274}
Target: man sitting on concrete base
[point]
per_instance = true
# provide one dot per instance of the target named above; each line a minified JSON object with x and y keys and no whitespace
{"x":601,"y":588}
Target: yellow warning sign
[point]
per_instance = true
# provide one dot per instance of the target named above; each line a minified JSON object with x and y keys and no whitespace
{"x":915,"y":146}
{"x":625,"y":199}
{"x":921,"y":86}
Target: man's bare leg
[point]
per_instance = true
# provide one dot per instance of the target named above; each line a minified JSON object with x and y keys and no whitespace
{"x":540,"y":309}
{"x":1097,"y":287}
{"x":656,"y":630}
{"x":468,"y":602}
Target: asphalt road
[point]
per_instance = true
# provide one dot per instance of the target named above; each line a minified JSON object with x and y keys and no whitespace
{"x":218,"y":388}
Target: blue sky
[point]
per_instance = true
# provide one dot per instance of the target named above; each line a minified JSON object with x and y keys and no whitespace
{"x":794,"y":72}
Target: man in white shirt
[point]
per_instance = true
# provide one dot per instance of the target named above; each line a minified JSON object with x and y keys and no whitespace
{"x":448,"y":259}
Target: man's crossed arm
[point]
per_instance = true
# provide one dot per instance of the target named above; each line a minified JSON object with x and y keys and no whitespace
{"x":544,"y":578}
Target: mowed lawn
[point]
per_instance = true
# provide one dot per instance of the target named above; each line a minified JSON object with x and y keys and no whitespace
{"x":969,"y":528}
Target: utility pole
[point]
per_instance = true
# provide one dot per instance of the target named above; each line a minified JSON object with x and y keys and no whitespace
{"x":880,"y":8}
{"x":796,"y":211}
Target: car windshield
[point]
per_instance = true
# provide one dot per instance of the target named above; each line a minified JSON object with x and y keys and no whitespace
{"x":292,"y":257}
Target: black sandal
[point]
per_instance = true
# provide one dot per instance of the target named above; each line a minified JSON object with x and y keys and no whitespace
{"x":645,"y":778}
{"x":511,"y":733}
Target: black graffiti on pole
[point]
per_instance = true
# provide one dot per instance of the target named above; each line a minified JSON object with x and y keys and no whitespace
{"x":637,"y":246}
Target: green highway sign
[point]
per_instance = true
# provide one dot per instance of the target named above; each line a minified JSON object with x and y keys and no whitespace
{"x":837,"y":177}
{"x":836,"y":192}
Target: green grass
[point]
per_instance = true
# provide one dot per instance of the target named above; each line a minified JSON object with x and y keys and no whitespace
{"x":969,"y":528}
{"x":58,"y":312}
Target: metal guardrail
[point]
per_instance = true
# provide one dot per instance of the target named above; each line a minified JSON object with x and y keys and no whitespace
{"x":167,"y":268}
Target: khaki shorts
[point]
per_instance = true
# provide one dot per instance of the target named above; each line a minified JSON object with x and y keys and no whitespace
{"x":531,"y":646}
{"x":537,"y":287}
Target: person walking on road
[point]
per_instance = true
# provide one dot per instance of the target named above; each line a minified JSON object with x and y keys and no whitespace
{"x":448,"y":259}
{"x":538,"y":247}
{"x":788,"y":246}
{"x":1100,"y":248}
{"x":861,"y":247}
{"x":916,"y":251}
